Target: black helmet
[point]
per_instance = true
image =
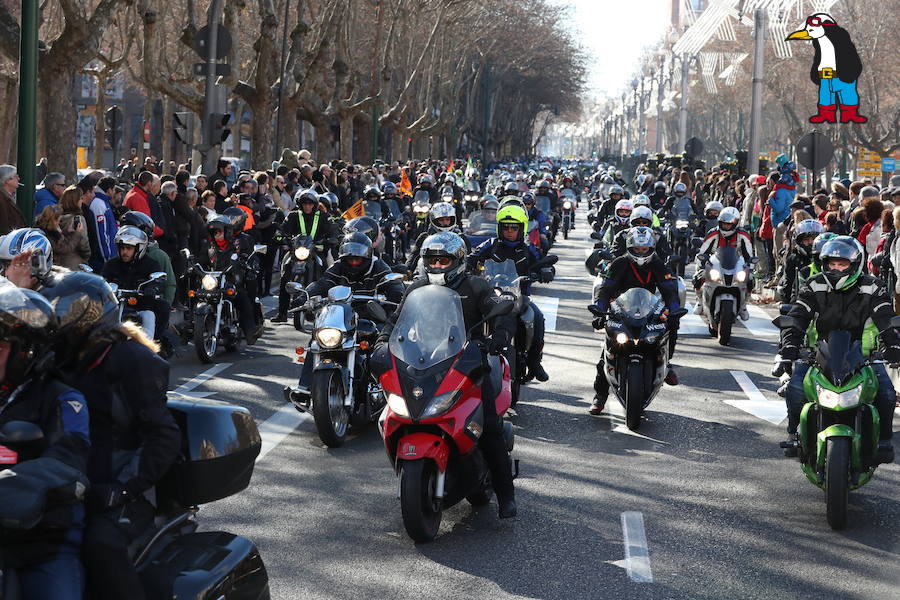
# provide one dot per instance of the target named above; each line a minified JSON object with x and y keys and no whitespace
{"x":659,"y":186}
{"x":356,"y":246}
{"x":27,"y":322}
{"x":219,"y":222}
{"x":238,"y":219}
{"x":389,"y":188}
{"x":372,"y":190}
{"x":139,"y":220}
{"x":543,"y":183}
{"x":366,"y":225}
{"x":444,"y":257}
{"x":83,"y":303}
{"x":846,"y":248}
{"x":308,"y":196}
{"x":330,"y":199}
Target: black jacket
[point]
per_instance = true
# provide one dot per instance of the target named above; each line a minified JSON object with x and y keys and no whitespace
{"x":620,"y":244}
{"x":129,"y":416}
{"x":524,"y":255}
{"x":365,"y":283}
{"x":129,"y":275}
{"x":324,"y":230}
{"x":624,"y":275}
{"x":794,"y":266}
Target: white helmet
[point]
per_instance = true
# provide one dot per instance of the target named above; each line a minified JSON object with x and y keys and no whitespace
{"x":641,"y":200}
{"x":28,"y":239}
{"x":132,"y":236}
{"x":640,"y":237}
{"x":441,"y":210}
{"x":623,"y":204}
{"x":641,"y":212}
{"x":712,"y":205}
{"x":729,"y":216}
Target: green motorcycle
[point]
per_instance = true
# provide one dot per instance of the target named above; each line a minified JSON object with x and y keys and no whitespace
{"x":839,"y":424}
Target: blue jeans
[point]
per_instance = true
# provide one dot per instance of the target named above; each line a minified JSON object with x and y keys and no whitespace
{"x":60,"y":578}
{"x":834,"y":91}
{"x":884,"y":399}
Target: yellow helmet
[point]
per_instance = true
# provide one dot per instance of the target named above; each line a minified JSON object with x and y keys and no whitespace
{"x":512,"y":214}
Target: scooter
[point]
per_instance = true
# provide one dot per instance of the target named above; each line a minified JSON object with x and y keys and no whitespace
{"x":435,"y":416}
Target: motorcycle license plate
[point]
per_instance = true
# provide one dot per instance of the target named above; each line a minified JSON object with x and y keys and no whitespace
{"x":7,"y":456}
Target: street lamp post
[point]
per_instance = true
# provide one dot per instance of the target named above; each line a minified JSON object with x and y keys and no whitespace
{"x":27,"y":130}
{"x":682,"y":111}
{"x":642,"y":118}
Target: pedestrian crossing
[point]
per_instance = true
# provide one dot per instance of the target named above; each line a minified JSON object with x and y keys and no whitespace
{"x":759,"y":324}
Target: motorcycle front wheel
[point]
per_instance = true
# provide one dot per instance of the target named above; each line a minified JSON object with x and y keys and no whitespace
{"x":634,"y":396}
{"x":726,"y":320}
{"x":837,"y":481}
{"x":329,"y":411}
{"x":420,"y":508}
{"x":205,"y":338}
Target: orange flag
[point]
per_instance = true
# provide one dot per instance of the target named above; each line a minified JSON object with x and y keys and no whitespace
{"x":451,"y":166}
{"x":357,"y":210}
{"x":405,"y":185}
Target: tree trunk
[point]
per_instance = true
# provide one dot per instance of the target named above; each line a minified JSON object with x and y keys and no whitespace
{"x":99,"y":126}
{"x":262,"y":138}
{"x":148,"y":112}
{"x":364,"y":145}
{"x":9,"y":109}
{"x":168,"y":109}
{"x":323,"y":142}
{"x":56,"y":106}
{"x":346,"y":151}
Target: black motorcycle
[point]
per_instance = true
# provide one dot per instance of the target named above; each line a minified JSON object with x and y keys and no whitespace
{"x":173,"y":559}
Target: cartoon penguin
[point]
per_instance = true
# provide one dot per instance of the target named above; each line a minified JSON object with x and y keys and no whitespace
{"x":835,"y":69}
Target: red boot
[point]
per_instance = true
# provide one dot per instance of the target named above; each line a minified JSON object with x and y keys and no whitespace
{"x":849,"y":115}
{"x":827,"y":114}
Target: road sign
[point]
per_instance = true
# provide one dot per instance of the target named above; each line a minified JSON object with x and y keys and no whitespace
{"x":814,"y":150}
{"x":223,"y":42}
{"x":221,"y":69}
{"x":868,"y":163}
{"x":889,"y":165}
{"x":693,"y":147}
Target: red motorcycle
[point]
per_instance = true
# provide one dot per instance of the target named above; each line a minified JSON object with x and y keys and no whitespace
{"x":434,"y":416}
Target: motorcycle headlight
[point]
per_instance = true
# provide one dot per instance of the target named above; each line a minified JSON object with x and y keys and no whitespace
{"x":832,"y":399}
{"x":440,"y":404}
{"x":742,"y":276}
{"x":397,"y":405}
{"x":329,"y":337}
{"x":682,"y":224}
{"x":715,"y":274}
{"x":301,"y":253}
{"x":621,"y":338}
{"x":209,"y":283}
{"x":567,"y":205}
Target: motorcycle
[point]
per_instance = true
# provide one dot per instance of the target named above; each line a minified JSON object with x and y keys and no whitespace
{"x":636,"y":353}
{"x":543,"y":204}
{"x":173,"y":559}
{"x":680,"y":232}
{"x":342,"y":390}
{"x":472,"y":196}
{"x":839,"y":424}
{"x":725,"y":291}
{"x":215,"y":315}
{"x":506,"y":283}
{"x":568,"y":203}
{"x":434,"y":414}
{"x":129,"y":299}
{"x":302,"y":262}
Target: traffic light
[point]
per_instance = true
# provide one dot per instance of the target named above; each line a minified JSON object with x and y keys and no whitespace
{"x":113,"y":131}
{"x":216,"y":129}
{"x":184,"y":122}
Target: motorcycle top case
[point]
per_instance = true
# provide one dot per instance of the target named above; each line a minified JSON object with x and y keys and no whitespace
{"x":219,"y":446}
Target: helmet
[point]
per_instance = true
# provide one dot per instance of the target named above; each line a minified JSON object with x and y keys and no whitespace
{"x":490,"y":205}
{"x":132,"y":236}
{"x":28,"y":239}
{"x":219,"y":222}
{"x":488,"y":198}
{"x":641,"y":212}
{"x":659,"y":186}
{"x":609,"y":180}
{"x":847,"y":248}
{"x":527,"y":198}
{"x":619,"y":173}
{"x":806,"y":229}
{"x":698,"y":174}
{"x":641,"y":200}
{"x":329,"y":199}
{"x":623,"y":204}
{"x":372,"y":190}
{"x":543,"y":184}
{"x":139,"y":220}
{"x":366,"y":225}
{"x":426,"y":178}
{"x":511,"y":189}
{"x":817,"y":247}
{"x":27,"y":321}
{"x":616,"y":189}
{"x":512,"y":215}
{"x":238,"y":217}
{"x":389,"y":188}
{"x":443,"y":210}
{"x":83,"y":302}
{"x":444,"y":257}
{"x":712,"y":205}
{"x":640,"y":237}
{"x":511,"y":201}
{"x":307,"y":196}
{"x":729,"y":216}
{"x":680,"y":189}
{"x":355,"y":252}
{"x":450,"y":178}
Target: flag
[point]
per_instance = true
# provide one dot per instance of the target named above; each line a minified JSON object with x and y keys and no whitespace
{"x":468,"y":170}
{"x":357,"y":210}
{"x":405,"y":185}
{"x":451,"y":166}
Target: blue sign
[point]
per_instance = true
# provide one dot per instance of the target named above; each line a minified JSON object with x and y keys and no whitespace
{"x":889,"y":165}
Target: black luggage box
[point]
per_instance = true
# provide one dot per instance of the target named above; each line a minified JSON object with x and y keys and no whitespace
{"x":219,"y":446}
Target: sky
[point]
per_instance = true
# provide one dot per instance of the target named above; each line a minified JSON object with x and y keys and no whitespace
{"x":614,"y":33}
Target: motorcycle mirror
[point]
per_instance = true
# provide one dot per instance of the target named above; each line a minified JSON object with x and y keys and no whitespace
{"x":85,"y":268}
{"x":390,"y":277}
{"x":784,"y":309}
{"x":20,"y":432}
{"x":339,"y":293}
{"x":680,"y":313}
{"x":597,"y":236}
{"x":158,"y":276}
{"x":376,"y":311}
{"x":786,"y":322}
{"x":260,"y":249}
{"x":293,"y":287}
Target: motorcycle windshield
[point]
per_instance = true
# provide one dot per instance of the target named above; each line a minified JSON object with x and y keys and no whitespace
{"x":373,"y":209}
{"x":543,"y":204}
{"x":568,"y":193}
{"x":472,"y":186}
{"x":636,"y":304}
{"x":728,"y":257}
{"x":840,"y":357}
{"x":395,"y":208}
{"x":502,"y":275}
{"x":419,"y":339}
{"x":682,"y":210}
{"x":422,"y":197}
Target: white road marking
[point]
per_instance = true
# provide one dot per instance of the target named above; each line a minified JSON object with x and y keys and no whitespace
{"x":615,"y":412}
{"x":277,"y":427}
{"x":760,"y":323}
{"x":637,"y":555}
{"x":200,"y":379}
{"x":548,"y":306}
{"x":588,"y":252}
{"x":773,"y":411}
{"x":692,"y":324}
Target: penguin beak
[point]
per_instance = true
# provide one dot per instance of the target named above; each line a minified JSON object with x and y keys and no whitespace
{"x":799,"y":35}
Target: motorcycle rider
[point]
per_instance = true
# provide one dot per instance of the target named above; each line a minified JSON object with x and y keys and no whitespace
{"x":426,"y":183}
{"x":134,"y":438}
{"x":444,"y":258}
{"x":306,"y":220}
{"x":608,"y":206}
{"x":640,"y":267}
{"x":131,"y":268}
{"x":726,"y":234}
{"x":642,"y":200}
{"x":679,"y":200}
{"x":659,"y":196}
{"x":642,"y":216}
{"x":26,"y":259}
{"x":145,"y":224}
{"x":536,"y":214}
{"x":798,"y":262}
{"x":510,"y":244}
{"x":441,"y":217}
{"x":46,"y":556}
{"x":710,"y":218}
{"x":842,"y":297}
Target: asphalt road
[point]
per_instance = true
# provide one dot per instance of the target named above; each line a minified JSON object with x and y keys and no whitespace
{"x":721,"y":512}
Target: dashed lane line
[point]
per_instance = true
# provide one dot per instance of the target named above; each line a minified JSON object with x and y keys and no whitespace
{"x":637,"y":554}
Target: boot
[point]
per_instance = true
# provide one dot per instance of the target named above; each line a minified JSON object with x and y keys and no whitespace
{"x":601,"y":392}
{"x":281,"y":318}
{"x":827,"y":114}
{"x":885,"y":452}
{"x":671,"y":377}
{"x":849,"y":114}
{"x":534,"y":367}
{"x":597,"y":406}
{"x":493,"y":447}
{"x":792,"y":446}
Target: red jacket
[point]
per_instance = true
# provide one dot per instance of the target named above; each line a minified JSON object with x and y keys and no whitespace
{"x":766,"y":231}
{"x":137,"y":199}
